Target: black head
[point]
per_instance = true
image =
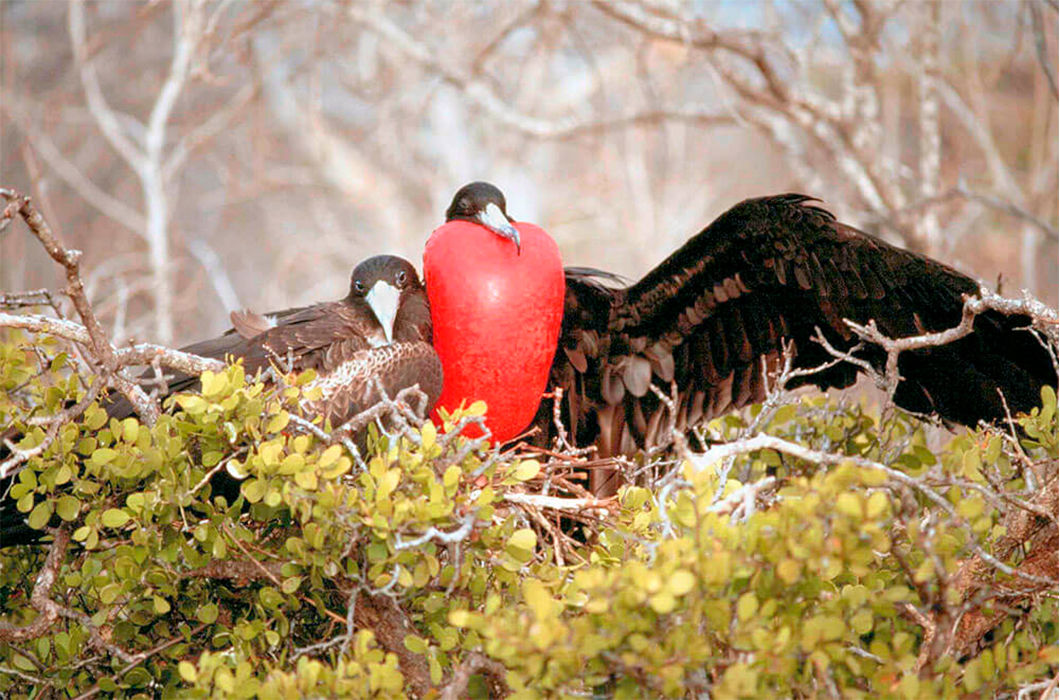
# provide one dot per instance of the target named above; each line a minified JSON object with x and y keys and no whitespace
{"x":483,"y":203}
{"x":382,"y":283}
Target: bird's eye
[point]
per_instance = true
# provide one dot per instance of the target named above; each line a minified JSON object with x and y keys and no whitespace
{"x":359,"y":286}
{"x":401,"y":278}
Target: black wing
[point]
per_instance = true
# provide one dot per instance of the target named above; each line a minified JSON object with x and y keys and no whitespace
{"x":767,"y":272}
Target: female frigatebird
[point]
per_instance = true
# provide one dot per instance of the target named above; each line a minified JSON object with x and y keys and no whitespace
{"x":380,"y":331}
{"x":767,"y":273}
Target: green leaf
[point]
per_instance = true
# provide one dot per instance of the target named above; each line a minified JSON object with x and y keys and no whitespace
{"x":746,"y":607}
{"x":278,"y":422}
{"x":329,"y":456}
{"x":788,"y":570}
{"x":459,"y":618}
{"x":114,"y":517}
{"x":849,"y":504}
{"x":67,"y":507}
{"x":681,"y":582}
{"x":428,"y":435}
{"x":41,"y":514}
{"x":95,"y":417}
{"x":876,"y":505}
{"x":527,"y":469}
{"x":307,"y":480}
{"x":417,"y":645}
{"x":192,"y":405}
{"x":130,"y":430}
{"x":662,"y":602}
{"x":207,"y":614}
{"x":103,"y":455}
{"x":213,"y":384}
{"x":254,"y":490}
{"x":452,"y":476}
{"x":523,"y":540}
{"x":188,"y":671}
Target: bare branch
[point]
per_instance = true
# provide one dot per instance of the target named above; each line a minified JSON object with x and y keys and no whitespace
{"x":472,"y":664}
{"x":1040,"y":45}
{"x":97,"y":103}
{"x":40,"y":598}
{"x":484,"y":97}
{"x":102,"y":352}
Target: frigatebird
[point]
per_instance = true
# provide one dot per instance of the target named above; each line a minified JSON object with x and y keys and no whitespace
{"x":765,"y":275}
{"x":381,"y":330}
{"x":500,"y":302}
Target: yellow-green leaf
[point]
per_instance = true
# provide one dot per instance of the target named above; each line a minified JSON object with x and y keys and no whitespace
{"x":114,"y":517}
{"x":680,"y":582}
{"x":329,"y":456}
{"x":527,"y":469}
{"x":67,"y":507}
{"x":746,"y":607}
{"x":524,"y":539}
{"x":188,"y":671}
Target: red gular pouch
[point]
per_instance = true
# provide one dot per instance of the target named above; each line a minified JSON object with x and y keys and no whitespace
{"x":496,"y":314}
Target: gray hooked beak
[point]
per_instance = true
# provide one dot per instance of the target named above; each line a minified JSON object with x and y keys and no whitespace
{"x":494,"y":219}
{"x":383,"y":299}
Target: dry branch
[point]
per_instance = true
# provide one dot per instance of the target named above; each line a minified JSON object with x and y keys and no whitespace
{"x":40,"y":598}
{"x":101,"y":352}
{"x":473,"y":663}
{"x":484,"y":97}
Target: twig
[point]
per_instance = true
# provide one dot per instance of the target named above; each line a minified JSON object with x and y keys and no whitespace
{"x":40,"y":598}
{"x":434,"y":533}
{"x":140,"y":658}
{"x":473,"y":663}
{"x":557,"y":503}
{"x":480,"y":93}
{"x":102,"y":352}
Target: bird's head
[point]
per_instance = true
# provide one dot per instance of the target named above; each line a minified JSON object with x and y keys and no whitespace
{"x":381,"y":284}
{"x":483,"y":203}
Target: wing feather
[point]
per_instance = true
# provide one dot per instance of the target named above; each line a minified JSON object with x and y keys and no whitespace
{"x":767,"y":272}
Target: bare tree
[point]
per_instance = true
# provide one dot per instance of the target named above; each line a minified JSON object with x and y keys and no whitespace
{"x":256,"y":151}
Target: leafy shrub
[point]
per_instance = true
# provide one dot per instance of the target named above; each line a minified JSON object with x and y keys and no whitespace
{"x":323,"y":577}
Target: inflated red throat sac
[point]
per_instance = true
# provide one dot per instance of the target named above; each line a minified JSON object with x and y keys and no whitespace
{"x":496,"y":314}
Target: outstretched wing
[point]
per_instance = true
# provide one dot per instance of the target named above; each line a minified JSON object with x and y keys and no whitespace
{"x":772,"y":271}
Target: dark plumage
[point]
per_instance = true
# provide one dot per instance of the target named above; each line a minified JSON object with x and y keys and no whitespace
{"x":345,"y":341}
{"x":769,"y":271}
{"x":483,"y":203}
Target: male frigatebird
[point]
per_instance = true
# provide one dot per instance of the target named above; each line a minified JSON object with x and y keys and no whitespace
{"x":380,"y":331}
{"x":766,"y":273}
{"x":500,"y":300}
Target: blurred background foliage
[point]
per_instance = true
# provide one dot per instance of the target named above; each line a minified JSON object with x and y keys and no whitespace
{"x":212,"y":155}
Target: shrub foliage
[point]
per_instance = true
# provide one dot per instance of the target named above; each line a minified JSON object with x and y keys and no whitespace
{"x":436,"y":565}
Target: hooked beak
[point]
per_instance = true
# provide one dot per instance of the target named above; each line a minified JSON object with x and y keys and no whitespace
{"x":494,"y":219}
{"x":383,"y":300}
